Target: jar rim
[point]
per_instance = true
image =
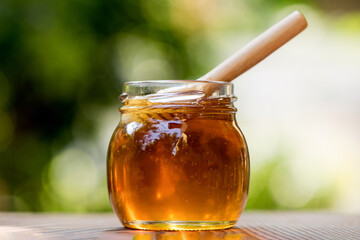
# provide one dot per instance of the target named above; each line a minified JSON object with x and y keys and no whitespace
{"x":161,"y":91}
{"x":148,"y":82}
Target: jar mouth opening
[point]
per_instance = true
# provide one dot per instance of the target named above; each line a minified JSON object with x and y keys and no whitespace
{"x":190,"y":91}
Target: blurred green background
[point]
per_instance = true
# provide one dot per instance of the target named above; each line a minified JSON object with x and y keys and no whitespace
{"x":62,"y":64}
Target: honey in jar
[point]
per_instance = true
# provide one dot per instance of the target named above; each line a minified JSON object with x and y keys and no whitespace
{"x":177,"y":160}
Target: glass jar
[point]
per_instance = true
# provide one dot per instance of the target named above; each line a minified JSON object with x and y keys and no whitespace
{"x":177,"y":160}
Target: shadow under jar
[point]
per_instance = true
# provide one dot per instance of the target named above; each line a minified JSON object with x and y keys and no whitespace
{"x":177,"y":160}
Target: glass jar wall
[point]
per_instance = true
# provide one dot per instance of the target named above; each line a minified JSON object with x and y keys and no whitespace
{"x":177,"y":160}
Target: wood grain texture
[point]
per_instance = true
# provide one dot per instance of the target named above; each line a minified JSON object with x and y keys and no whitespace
{"x":258,"y":49}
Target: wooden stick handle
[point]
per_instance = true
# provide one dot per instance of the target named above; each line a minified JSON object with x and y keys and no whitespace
{"x":258,"y":49}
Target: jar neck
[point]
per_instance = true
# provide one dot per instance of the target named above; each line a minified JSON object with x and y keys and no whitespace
{"x":187,"y":96}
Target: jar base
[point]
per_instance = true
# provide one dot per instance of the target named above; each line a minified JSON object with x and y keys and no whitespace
{"x":178,"y":225}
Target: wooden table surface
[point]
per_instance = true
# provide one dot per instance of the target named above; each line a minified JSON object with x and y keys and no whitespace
{"x":251,"y":225}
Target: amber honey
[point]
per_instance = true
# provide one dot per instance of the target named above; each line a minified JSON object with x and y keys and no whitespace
{"x":178,"y":166}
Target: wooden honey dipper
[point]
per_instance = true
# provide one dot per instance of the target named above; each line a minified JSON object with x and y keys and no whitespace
{"x":248,"y":56}
{"x":251,"y":54}
{"x":258,"y":49}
